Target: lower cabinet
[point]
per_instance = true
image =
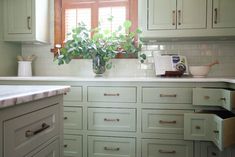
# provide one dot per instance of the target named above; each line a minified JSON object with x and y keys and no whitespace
{"x":212,"y":126}
{"x":73,"y":146}
{"x":52,"y":150}
{"x":166,"y":148}
{"x":208,"y":149}
{"x":111,"y":147}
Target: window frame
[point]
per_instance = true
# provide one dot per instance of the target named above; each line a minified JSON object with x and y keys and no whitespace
{"x":59,"y":15}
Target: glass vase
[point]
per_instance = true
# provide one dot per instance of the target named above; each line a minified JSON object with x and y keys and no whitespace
{"x":98,"y":65}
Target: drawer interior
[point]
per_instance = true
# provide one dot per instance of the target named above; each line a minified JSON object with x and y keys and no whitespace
{"x":224,"y":114}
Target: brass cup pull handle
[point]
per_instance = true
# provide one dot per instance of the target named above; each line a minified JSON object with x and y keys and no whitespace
{"x":111,"y":148}
{"x":166,"y":151}
{"x":30,"y":133}
{"x":179,"y":17}
{"x":216,"y":16}
{"x":197,"y":127}
{"x":173,"y":17}
{"x":111,"y":120}
{"x":168,"y":95}
{"x":223,"y":99}
{"x":167,"y":122}
{"x":28,"y":22}
{"x":110,"y":94}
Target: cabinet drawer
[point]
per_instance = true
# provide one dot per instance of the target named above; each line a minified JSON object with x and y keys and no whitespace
{"x":163,"y":121}
{"x":51,"y":150}
{"x":212,"y":126}
{"x":111,"y":119}
{"x":111,"y":147}
{"x":166,"y":148}
{"x":75,"y":94}
{"x":167,"y":95}
{"x":73,"y":118}
{"x":112,"y":94}
{"x":214,"y":97}
{"x":72,"y":146}
{"x":27,"y":132}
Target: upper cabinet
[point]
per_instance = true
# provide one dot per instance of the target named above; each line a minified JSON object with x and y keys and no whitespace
{"x":223,"y":13}
{"x":176,"y":14}
{"x":26,"y":20}
{"x":162,"y":19}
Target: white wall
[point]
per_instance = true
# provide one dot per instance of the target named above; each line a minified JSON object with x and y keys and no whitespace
{"x":8,"y":52}
{"x":198,"y":53}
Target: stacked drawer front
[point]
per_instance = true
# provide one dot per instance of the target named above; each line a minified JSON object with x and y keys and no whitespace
{"x":166,"y":148}
{"x":25,"y":133}
{"x":112,"y":94}
{"x":73,"y":121}
{"x":167,"y":95}
{"x":163,"y":121}
{"x":111,"y":119}
{"x":73,"y":146}
{"x":111,"y":147}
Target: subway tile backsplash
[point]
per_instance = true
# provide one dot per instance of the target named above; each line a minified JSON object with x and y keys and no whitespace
{"x":197,"y":53}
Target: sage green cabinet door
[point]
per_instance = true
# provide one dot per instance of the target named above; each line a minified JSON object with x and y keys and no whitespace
{"x":52,"y":150}
{"x":19,"y":15}
{"x":73,"y":146}
{"x":72,"y":118}
{"x":208,"y":149}
{"x":111,"y":94}
{"x":197,"y":126}
{"x":191,"y":14}
{"x":166,"y":148}
{"x":111,"y":119}
{"x":163,"y":121}
{"x":214,"y":97}
{"x":111,"y":147}
{"x":223,"y":14}
{"x":167,"y":95}
{"x":161,"y":14}
{"x":215,"y":126}
{"x":75,"y":94}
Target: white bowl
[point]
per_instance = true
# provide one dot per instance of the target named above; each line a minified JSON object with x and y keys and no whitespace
{"x":199,"y":71}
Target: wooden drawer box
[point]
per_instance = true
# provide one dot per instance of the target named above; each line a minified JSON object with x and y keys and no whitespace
{"x":111,"y":147}
{"x":112,"y":94}
{"x":75,"y":94}
{"x":73,"y":118}
{"x":73,"y":146}
{"x":163,"y":121}
{"x":215,"y":126}
{"x":167,"y":95}
{"x":25,"y":133}
{"x":214,"y":97}
{"x":112,"y":119}
{"x":166,"y":148}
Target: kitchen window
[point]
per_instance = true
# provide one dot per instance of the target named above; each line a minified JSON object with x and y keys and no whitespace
{"x":68,"y":13}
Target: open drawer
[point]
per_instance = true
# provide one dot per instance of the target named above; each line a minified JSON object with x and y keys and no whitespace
{"x":214,"y":97}
{"x":215,"y":126}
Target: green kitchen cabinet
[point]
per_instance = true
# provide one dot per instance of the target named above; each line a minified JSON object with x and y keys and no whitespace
{"x":73,"y":146}
{"x":26,"y":20}
{"x":176,"y":14}
{"x":223,"y":14}
{"x":162,"y":20}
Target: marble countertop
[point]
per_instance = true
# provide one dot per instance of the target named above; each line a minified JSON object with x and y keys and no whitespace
{"x":121,"y":79}
{"x":11,"y":95}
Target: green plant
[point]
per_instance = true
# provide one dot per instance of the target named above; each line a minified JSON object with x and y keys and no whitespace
{"x":102,"y":43}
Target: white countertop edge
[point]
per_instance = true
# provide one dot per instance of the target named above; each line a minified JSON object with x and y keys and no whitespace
{"x":11,"y":95}
{"x":121,"y":79}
